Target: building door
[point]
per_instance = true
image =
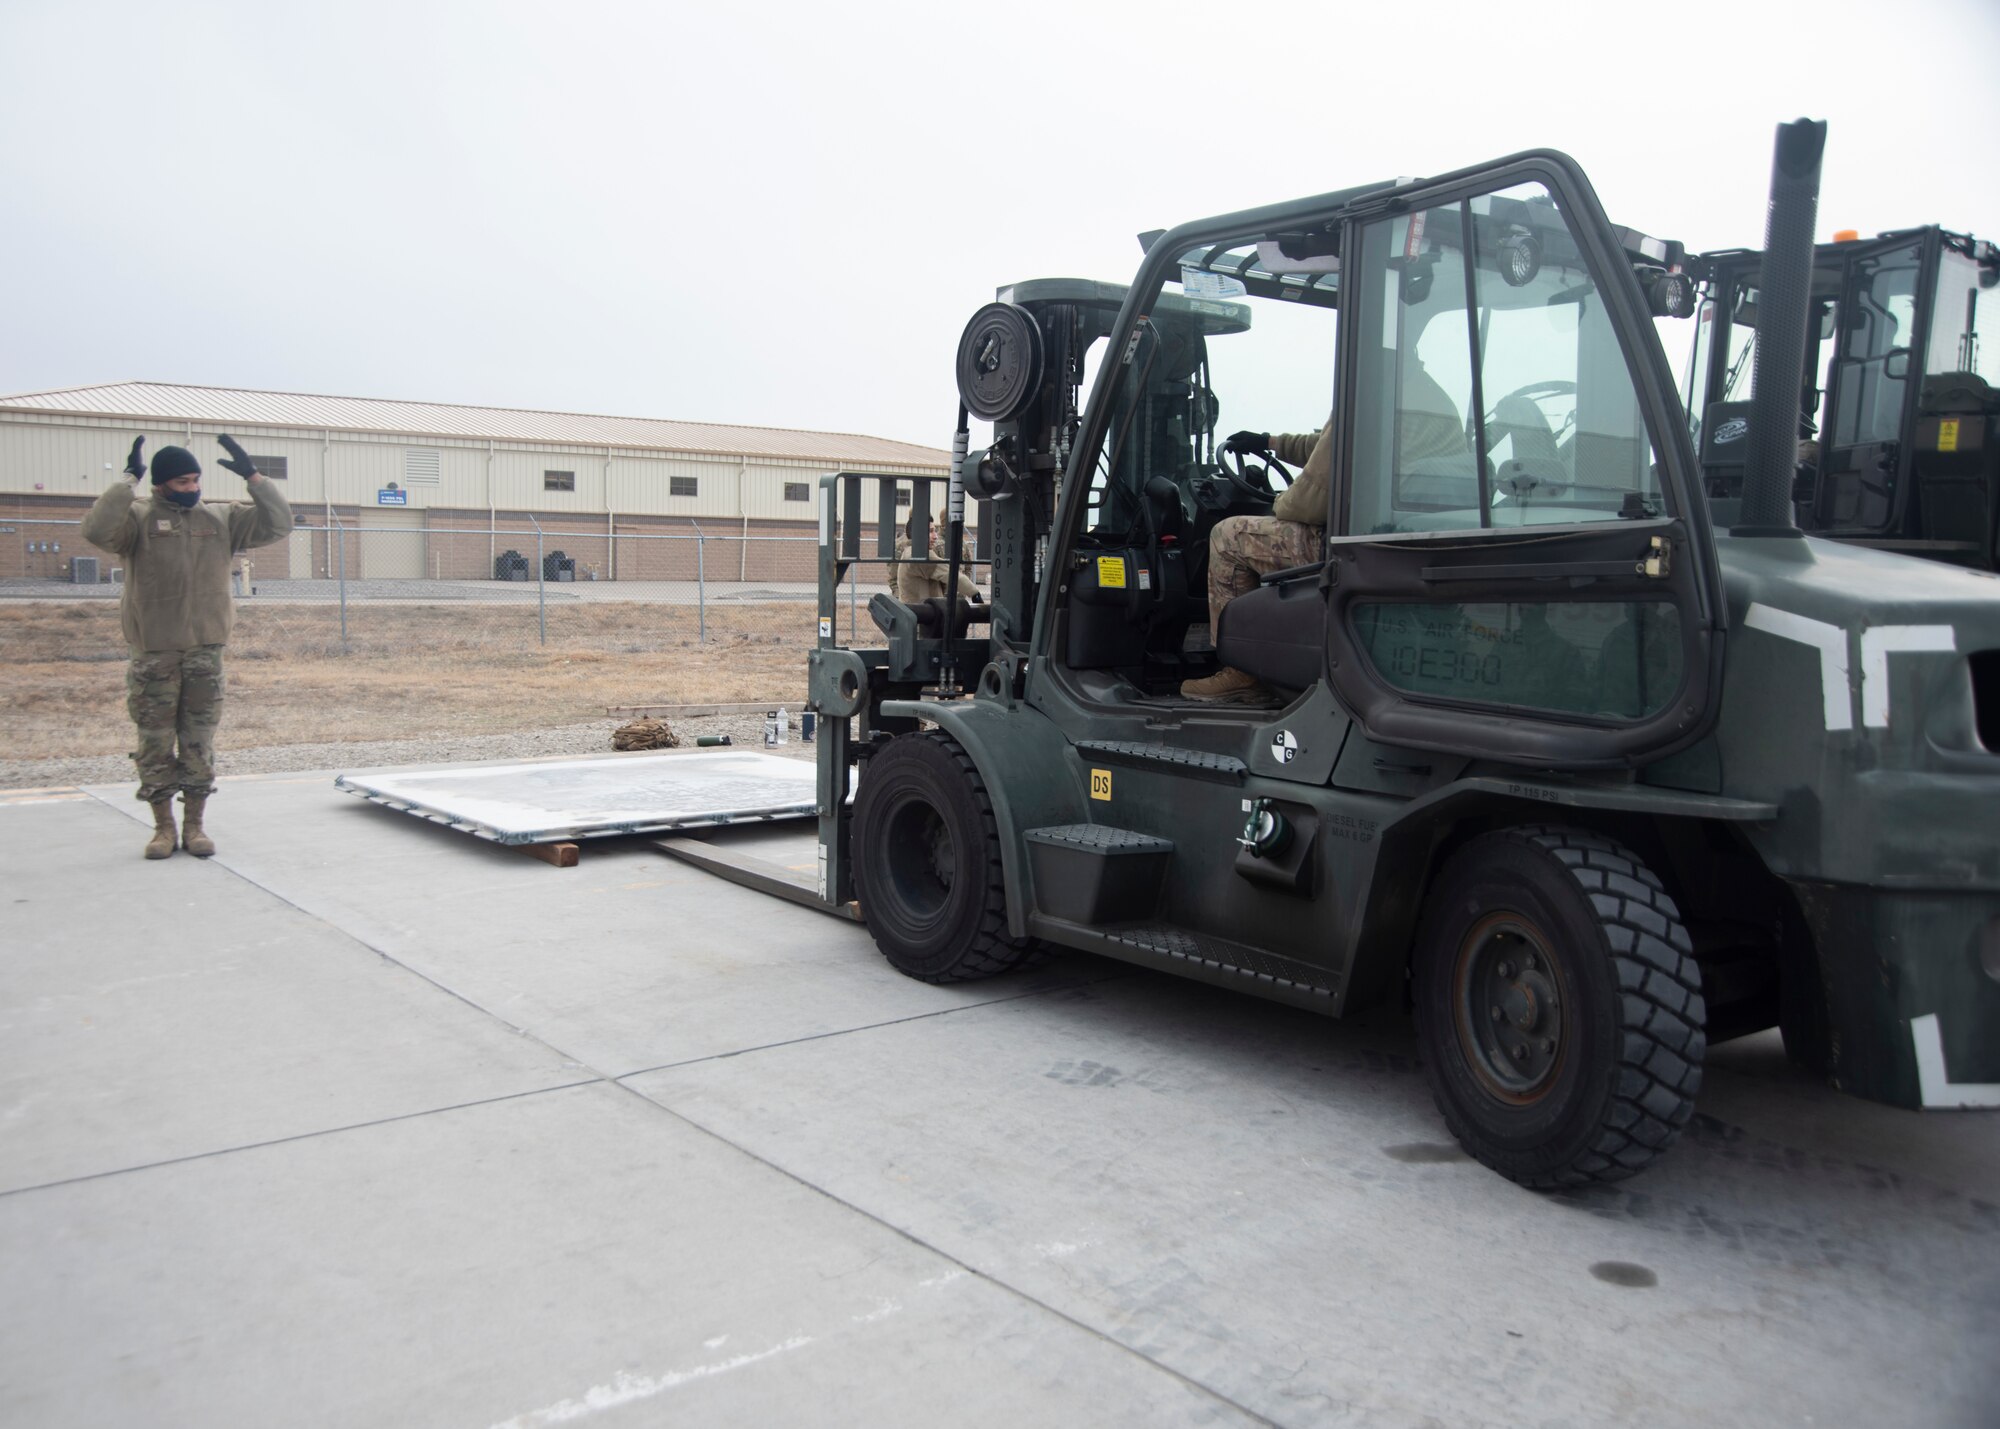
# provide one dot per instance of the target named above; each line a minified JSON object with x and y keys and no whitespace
{"x":392,"y":545}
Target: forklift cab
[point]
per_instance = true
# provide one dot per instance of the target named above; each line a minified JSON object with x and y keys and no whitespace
{"x":1897,"y":417}
{"x":1516,"y":564}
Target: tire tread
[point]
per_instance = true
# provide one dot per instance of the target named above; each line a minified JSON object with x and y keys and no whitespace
{"x":991,"y":950}
{"x":1663,"y":1037}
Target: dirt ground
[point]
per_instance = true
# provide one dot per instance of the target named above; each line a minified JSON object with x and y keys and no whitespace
{"x":405,"y":671}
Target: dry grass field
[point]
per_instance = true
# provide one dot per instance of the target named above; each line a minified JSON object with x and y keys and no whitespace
{"x":407,"y":670}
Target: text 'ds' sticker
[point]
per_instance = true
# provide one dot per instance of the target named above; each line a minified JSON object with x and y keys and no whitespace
{"x":1111,"y":572}
{"x":1100,"y":784}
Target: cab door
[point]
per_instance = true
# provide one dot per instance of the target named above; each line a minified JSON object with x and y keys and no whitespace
{"x":1520,"y":566}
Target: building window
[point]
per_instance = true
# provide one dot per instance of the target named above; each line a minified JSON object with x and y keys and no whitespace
{"x":558,"y":481}
{"x":798,"y":491}
{"x":683,"y":486}
{"x":902,"y":496}
{"x":272,"y":466}
{"x":420,"y":466}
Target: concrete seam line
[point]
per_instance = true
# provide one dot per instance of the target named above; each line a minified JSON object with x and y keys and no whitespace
{"x":867,"y":1027}
{"x":302,"y":1136}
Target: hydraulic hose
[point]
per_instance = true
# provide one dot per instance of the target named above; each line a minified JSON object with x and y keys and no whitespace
{"x":955,"y":526}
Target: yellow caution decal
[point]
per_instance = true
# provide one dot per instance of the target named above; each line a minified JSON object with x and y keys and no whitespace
{"x":1100,"y":784}
{"x":1948,"y":434}
{"x":1111,"y":576}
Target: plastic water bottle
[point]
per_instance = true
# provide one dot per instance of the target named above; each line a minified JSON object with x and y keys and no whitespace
{"x":784,"y":725}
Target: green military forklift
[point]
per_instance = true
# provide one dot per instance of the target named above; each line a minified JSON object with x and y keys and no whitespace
{"x":1588,"y":776}
{"x":1899,"y":411}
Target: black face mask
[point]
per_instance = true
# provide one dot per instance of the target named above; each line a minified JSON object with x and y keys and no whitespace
{"x":181,"y":498}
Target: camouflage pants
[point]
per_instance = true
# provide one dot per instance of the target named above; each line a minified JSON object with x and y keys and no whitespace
{"x":175,"y":696}
{"x":1241,"y":548}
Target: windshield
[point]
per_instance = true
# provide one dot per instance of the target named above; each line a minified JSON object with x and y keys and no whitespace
{"x":1965,"y":324}
{"x":1873,"y":368}
{"x":1491,"y":391}
{"x":1729,"y":375}
{"x":1210,"y":360}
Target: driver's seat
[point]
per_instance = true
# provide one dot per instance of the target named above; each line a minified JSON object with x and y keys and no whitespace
{"x":1277,"y":632}
{"x":1519,"y":418}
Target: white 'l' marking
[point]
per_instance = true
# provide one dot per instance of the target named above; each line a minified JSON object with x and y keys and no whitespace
{"x":1876,"y":647}
{"x":1829,"y":640}
{"x":1934,"y":1084}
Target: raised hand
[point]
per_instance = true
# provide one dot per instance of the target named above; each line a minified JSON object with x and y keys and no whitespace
{"x":239,"y":460}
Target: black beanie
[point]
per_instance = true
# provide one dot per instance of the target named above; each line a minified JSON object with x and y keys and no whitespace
{"x":170,"y":462}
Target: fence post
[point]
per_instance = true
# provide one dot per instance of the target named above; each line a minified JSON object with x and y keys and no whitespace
{"x":700,"y":583}
{"x":340,"y":565}
{"x":541,"y":581}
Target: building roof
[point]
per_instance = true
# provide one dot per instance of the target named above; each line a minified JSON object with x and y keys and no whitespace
{"x":226,"y":406}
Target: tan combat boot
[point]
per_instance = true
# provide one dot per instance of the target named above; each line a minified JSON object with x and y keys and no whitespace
{"x":1226,"y":686}
{"x":192,"y":838}
{"x":162,"y":842}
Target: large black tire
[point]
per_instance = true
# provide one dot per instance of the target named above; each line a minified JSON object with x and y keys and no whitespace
{"x":1559,"y":1005}
{"x":927,"y":863}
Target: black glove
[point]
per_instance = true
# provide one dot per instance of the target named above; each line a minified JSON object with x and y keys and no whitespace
{"x":1248,"y":443}
{"x":135,"y":464}
{"x":239,"y":461}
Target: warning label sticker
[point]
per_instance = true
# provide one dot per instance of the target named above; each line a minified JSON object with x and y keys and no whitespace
{"x":1111,"y":572}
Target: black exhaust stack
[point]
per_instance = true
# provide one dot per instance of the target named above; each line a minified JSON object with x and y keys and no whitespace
{"x":1784,"y":293}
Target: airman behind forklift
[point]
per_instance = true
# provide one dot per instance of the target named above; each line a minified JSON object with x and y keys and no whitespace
{"x":1589,"y":782}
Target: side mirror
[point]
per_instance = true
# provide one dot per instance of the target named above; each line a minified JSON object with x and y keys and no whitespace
{"x":1896,"y":364}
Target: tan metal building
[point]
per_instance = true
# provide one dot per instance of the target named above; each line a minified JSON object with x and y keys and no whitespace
{"x":367,"y":464}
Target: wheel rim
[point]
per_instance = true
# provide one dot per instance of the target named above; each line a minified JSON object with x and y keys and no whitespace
{"x":1511,"y":1022}
{"x":921,"y":863}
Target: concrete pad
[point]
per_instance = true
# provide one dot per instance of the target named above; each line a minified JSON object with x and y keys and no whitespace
{"x":1249,"y":1204}
{"x":629,"y":961}
{"x":574,"y":1255}
{"x":155,"y":1010}
{"x":1268,"y":1204}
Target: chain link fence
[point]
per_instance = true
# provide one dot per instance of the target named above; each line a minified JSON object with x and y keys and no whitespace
{"x":333,"y":588}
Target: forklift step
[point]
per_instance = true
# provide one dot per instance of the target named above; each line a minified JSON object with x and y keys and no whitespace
{"x":1199,"y":763}
{"x":1087,"y":873}
{"x":1220,"y":955}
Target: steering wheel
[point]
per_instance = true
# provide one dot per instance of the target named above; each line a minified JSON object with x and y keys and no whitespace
{"x":1532,"y":392}
{"x":1251,"y":484}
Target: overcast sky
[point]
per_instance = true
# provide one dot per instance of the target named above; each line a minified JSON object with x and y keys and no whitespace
{"x":783,"y":214}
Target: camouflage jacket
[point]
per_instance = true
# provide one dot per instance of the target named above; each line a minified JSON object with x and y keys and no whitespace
{"x":177,"y":559}
{"x":1304,"y":500}
{"x":916,"y":580}
{"x":1427,"y":426}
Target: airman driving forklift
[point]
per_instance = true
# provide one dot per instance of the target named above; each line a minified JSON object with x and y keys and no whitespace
{"x":1589,"y":781}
